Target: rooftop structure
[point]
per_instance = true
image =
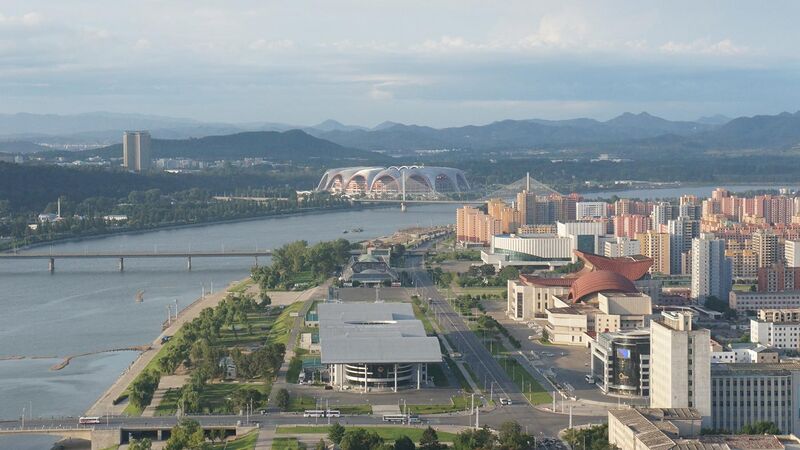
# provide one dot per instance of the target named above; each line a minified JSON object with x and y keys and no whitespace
{"x":382,"y":340}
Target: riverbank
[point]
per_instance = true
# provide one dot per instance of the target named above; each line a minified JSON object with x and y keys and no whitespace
{"x":129,"y":232}
{"x":105,"y":404}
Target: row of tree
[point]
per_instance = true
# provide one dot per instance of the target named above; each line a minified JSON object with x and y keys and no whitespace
{"x":320,"y":260}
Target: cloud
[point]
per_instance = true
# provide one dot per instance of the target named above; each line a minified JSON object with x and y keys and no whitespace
{"x":263,"y":44}
{"x":30,"y":19}
{"x":725,"y":47}
{"x":142,"y":44}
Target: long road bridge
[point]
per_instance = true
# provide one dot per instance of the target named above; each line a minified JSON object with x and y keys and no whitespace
{"x":122,"y":256}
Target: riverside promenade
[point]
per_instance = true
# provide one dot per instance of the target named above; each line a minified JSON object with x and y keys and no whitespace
{"x":105,"y":404}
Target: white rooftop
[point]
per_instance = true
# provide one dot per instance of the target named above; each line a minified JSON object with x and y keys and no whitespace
{"x":374,"y":333}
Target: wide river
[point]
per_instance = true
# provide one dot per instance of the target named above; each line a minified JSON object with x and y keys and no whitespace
{"x":88,"y":305}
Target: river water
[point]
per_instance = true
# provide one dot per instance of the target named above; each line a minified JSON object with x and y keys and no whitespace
{"x":88,"y":305}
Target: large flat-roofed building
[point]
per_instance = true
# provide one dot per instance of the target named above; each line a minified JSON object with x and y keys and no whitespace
{"x":778,"y":278}
{"x":743,"y":394}
{"x":753,"y":301}
{"x":620,"y":362}
{"x":375,"y":345}
{"x":783,"y":335}
{"x":531,"y":296}
{"x":677,"y":429}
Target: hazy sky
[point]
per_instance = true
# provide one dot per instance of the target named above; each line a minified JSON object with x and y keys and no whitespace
{"x":427,"y":62}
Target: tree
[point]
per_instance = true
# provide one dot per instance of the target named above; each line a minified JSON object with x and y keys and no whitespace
{"x":508,"y":273}
{"x":360,"y":439}
{"x":321,"y":445}
{"x":511,"y":437}
{"x":283,"y":399}
{"x":336,"y":433}
{"x":482,"y":439}
{"x":430,"y":440}
{"x":761,"y":427}
{"x":404,"y":443}
{"x":187,"y":435}
{"x":140,"y":444}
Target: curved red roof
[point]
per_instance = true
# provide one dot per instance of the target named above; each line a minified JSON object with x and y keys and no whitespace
{"x":599,"y":281}
{"x":631,"y":267}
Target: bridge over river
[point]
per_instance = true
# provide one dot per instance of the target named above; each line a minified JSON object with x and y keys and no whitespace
{"x":122,"y":256}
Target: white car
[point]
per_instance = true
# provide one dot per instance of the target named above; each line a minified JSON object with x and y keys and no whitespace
{"x":505,"y":401}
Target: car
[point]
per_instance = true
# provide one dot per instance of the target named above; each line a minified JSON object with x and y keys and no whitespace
{"x":589,"y":379}
{"x":263,"y":412}
{"x":563,"y":354}
{"x":505,"y":401}
{"x":165,"y":339}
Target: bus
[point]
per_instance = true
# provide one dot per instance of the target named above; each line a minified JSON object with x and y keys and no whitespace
{"x":396,"y":418}
{"x":333,"y":413}
{"x":314,"y":413}
{"x":88,"y":420}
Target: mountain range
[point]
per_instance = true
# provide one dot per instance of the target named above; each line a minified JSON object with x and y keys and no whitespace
{"x":627,"y":133}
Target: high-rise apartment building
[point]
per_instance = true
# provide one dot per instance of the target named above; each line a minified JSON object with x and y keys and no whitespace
{"x":630,"y":225}
{"x":765,"y":245}
{"x":680,"y":364}
{"x":662,"y":213}
{"x":136,"y":151}
{"x":791,"y":253}
{"x":711,"y":270}
{"x":621,"y":246}
{"x":681,"y":232}
{"x":526,"y":204}
{"x":472,"y":225}
{"x":656,"y":246}
{"x":778,"y":278}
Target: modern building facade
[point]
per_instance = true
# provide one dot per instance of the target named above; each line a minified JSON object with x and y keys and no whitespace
{"x":590,"y":210}
{"x":680,"y":361}
{"x":791,"y":253}
{"x":620,"y":362}
{"x":778,"y":277}
{"x":711,"y":270}
{"x":656,"y":246}
{"x":782,"y":335}
{"x":743,"y":394}
{"x":379,"y":346}
{"x":136,"y":154}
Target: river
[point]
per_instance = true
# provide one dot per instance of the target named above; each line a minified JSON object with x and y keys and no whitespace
{"x":88,"y":305}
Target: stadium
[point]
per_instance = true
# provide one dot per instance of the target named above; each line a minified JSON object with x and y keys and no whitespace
{"x":380,"y":181}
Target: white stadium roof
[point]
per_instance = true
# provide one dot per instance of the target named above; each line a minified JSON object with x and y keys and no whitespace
{"x":374,"y":333}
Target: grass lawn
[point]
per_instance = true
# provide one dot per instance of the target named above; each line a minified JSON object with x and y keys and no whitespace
{"x":300,"y":403}
{"x":422,"y":317}
{"x":246,"y":442}
{"x":213,"y":397}
{"x":521,"y":377}
{"x":742,"y":287}
{"x":241,"y":286}
{"x":279,"y":333}
{"x":169,"y":404}
{"x":387,"y":433}
{"x":286,"y":444}
{"x":260,"y":324}
{"x":457,"y":403}
{"x":354,"y":409}
{"x":498,"y":291}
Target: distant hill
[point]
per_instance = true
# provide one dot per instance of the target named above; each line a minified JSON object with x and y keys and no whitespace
{"x":781,"y":131}
{"x":514,"y":134}
{"x":293,"y":145}
{"x":331,"y":125}
{"x":20,"y":147}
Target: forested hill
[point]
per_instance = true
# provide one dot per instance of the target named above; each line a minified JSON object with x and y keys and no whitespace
{"x":292,"y":145}
{"x":31,"y":188}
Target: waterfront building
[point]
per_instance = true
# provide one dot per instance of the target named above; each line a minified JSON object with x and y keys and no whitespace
{"x":620,"y":362}
{"x":753,"y":301}
{"x":680,"y":360}
{"x":711,"y":270}
{"x":375,"y":346}
{"x":474,"y":226}
{"x":656,"y":246}
{"x":778,"y":277}
{"x":743,"y":394}
{"x":136,"y":154}
{"x":369,"y":270}
{"x":591,"y":210}
{"x":510,"y":219}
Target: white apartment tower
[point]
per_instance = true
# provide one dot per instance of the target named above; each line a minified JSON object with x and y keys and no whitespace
{"x":680,"y":364}
{"x":711,"y":270}
{"x":136,"y":151}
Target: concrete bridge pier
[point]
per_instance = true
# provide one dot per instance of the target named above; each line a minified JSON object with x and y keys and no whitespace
{"x":122,"y":264}
{"x":256,"y":261}
{"x":403,"y":207}
{"x":51,"y":266}
{"x":189,"y":263}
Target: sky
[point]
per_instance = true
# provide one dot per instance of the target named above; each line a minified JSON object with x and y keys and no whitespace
{"x":438,"y":63}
